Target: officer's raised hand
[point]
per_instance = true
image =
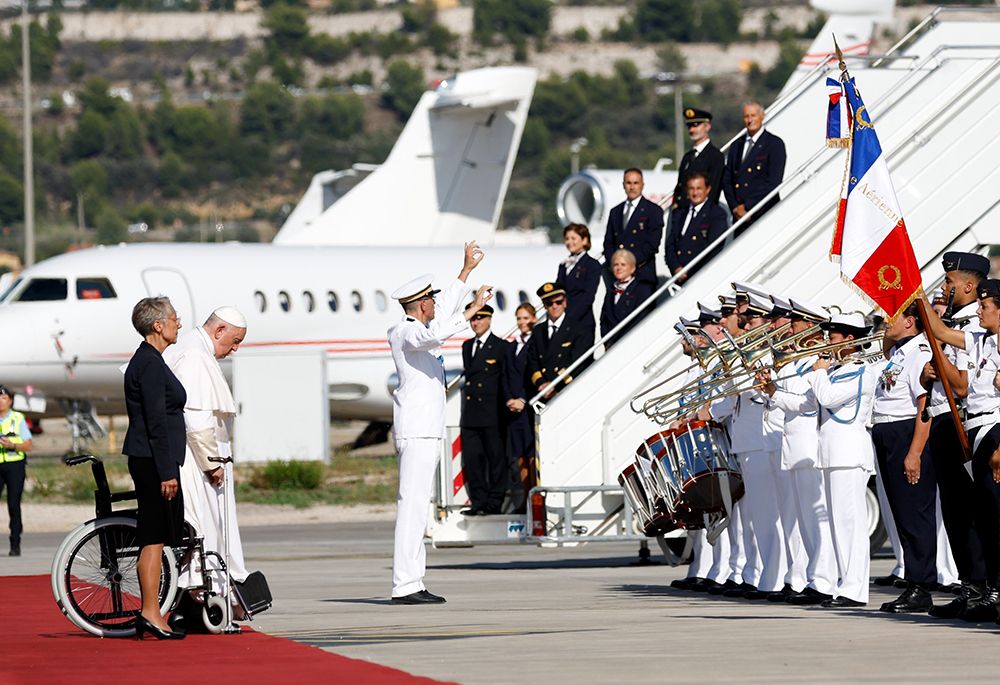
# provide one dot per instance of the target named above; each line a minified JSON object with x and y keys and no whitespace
{"x":483,"y":295}
{"x":473,"y":255}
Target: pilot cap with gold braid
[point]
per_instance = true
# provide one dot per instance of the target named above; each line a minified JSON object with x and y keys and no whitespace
{"x":549,"y":290}
{"x":484,"y":311}
{"x":416,"y":289}
{"x":693,"y":115}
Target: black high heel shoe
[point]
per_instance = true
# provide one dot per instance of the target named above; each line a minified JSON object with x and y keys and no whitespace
{"x":142,"y":625}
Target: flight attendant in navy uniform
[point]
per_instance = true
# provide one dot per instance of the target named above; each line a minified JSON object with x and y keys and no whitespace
{"x":484,"y":426}
{"x":521,"y":419}
{"x":418,"y":412}
{"x":982,"y":424}
{"x":963,"y":273}
{"x":900,"y":439}
{"x":579,"y":275}
{"x":635,"y":225}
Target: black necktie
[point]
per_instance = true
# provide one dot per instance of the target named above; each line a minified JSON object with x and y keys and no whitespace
{"x":479,"y":346}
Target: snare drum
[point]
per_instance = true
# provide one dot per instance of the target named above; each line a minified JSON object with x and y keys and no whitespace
{"x":700,"y":455}
{"x":633,"y":482}
{"x":659,"y":476}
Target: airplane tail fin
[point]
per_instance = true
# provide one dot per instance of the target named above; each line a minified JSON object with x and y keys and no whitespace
{"x":443,"y":182}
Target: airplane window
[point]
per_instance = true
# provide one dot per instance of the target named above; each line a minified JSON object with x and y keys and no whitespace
{"x":10,"y":290}
{"x":501,"y":300}
{"x":284,"y":301}
{"x":43,"y":290}
{"x":356,"y":301}
{"x":308,"y":301}
{"x":380,"y":300}
{"x":94,"y":289}
{"x":261,"y":301}
{"x":523,"y":296}
{"x":332,"y":300}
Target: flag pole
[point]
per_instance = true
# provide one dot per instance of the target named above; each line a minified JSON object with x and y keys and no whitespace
{"x":939,"y":366}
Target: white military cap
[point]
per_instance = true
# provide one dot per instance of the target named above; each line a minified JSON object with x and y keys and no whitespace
{"x":804,"y":310}
{"x":691,"y":326}
{"x":708,"y":315}
{"x":937,"y":297}
{"x":231,"y":315}
{"x":415,"y":289}
{"x":759,"y":304}
{"x":782,"y":306}
{"x":848,"y":324}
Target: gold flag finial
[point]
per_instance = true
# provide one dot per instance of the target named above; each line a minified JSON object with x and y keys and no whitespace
{"x":840,"y":54}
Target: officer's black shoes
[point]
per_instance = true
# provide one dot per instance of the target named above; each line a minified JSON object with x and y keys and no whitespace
{"x":755,"y":594}
{"x":887,"y":581}
{"x":972,"y":594}
{"x":473,"y":511}
{"x":782,"y":594}
{"x":738,"y":591}
{"x":915,"y":599}
{"x":422,"y":597}
{"x":841,"y":603}
{"x":703,"y":585}
{"x":721,"y":589}
{"x":808,"y":596}
{"x":685,"y":583}
{"x":985,"y":611}
{"x":15,"y":550}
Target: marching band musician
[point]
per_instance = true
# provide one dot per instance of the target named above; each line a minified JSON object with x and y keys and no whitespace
{"x":983,"y":426}
{"x":844,"y":391}
{"x":730,"y":314}
{"x":791,"y":392}
{"x":900,"y":439}
{"x":963,"y":273}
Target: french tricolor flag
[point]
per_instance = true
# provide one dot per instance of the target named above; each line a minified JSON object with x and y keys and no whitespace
{"x":870,"y":241}
{"x":838,"y":118}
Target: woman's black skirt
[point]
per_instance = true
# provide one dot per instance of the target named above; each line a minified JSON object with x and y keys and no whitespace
{"x":160,"y":522}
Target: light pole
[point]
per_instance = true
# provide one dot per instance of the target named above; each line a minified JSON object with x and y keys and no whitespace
{"x":29,"y":166}
{"x":575,"y":147}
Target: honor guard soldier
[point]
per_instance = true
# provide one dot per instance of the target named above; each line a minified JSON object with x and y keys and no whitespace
{"x":694,"y":227}
{"x":963,"y":273}
{"x":844,"y":388}
{"x":755,"y":166}
{"x":15,"y":442}
{"x":900,"y":438}
{"x":555,"y":344}
{"x":418,"y":412}
{"x":635,"y":225}
{"x":982,"y":423}
{"x":484,"y":459}
{"x":703,"y":157}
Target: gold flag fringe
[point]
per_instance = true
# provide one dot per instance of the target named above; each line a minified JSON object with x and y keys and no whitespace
{"x":890,"y":319}
{"x":838,"y":142}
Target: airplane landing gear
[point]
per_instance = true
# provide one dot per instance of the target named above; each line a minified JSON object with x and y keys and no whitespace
{"x":82,"y":418}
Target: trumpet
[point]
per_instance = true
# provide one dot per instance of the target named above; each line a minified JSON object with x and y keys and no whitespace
{"x":782,"y":358}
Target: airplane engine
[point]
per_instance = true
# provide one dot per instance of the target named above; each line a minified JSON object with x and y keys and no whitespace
{"x":588,"y":196}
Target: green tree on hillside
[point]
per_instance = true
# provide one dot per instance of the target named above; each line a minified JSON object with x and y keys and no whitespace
{"x":268,"y":111}
{"x":515,"y":19}
{"x":405,"y":87}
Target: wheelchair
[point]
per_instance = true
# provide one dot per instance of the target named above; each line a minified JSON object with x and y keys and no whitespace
{"x":94,"y":578}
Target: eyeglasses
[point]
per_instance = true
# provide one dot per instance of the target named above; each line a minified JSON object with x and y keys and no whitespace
{"x":553,"y":302}
{"x":695,"y":125}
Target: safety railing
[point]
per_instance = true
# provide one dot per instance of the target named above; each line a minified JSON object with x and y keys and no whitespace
{"x":564,"y":530}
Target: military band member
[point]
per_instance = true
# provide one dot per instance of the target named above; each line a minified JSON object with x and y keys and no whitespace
{"x":963,"y":273}
{"x":844,"y":389}
{"x":484,"y":456}
{"x":754,"y":167}
{"x":555,"y":343}
{"x":900,"y":439}
{"x":418,"y":412}
{"x":635,"y":225}
{"x":982,"y":424}
{"x":694,"y":227}
{"x":704,"y":157}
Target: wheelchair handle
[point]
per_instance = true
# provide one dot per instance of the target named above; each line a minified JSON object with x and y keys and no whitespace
{"x":81,"y":459}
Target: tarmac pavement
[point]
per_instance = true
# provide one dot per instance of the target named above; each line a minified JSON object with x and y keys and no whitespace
{"x":582,"y":615}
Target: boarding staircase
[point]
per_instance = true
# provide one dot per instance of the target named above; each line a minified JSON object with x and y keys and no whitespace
{"x":935,"y":102}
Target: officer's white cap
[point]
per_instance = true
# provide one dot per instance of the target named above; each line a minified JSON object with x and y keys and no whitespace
{"x":747,"y":287}
{"x":230,"y":315}
{"x":415,"y":289}
{"x":807,"y":311}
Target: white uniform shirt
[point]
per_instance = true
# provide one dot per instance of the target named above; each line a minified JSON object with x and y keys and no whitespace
{"x":982,"y":364}
{"x":754,"y":424}
{"x":845,"y":396}
{"x":898,"y":389}
{"x":795,"y":398}
{"x":955,"y":355}
{"x":419,"y":397}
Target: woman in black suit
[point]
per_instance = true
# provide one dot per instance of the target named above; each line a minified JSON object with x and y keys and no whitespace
{"x":625,"y":295}
{"x":579,"y":275}
{"x":154,"y":443}
{"x":521,"y":422}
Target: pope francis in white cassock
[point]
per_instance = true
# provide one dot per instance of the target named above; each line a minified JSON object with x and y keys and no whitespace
{"x":207,"y":484}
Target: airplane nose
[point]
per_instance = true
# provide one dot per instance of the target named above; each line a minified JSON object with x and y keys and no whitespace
{"x":22,"y":352}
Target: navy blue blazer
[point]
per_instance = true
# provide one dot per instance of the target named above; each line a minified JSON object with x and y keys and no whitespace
{"x":522,"y":424}
{"x":711,"y":162}
{"x":641,"y":237}
{"x":482,"y":395}
{"x":581,"y":289}
{"x":614,"y":313}
{"x":154,"y":400}
{"x":549,"y":358}
{"x":747,"y":182}
{"x":705,"y":227}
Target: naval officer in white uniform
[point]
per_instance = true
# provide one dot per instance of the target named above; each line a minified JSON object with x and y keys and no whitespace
{"x":418,"y":412}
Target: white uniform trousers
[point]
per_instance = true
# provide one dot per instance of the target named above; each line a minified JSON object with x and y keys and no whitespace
{"x":845,"y":492}
{"x":763,"y":514}
{"x":418,"y":459}
{"x":812,"y":509}
{"x":890,"y":524}
{"x":795,"y":561}
{"x":701,"y":555}
{"x":743,"y":566}
{"x":710,"y":561}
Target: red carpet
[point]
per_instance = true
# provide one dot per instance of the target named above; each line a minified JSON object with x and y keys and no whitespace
{"x":40,"y":645}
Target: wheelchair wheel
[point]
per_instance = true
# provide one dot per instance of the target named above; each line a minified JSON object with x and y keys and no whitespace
{"x":95,"y":577}
{"x":214,"y":614}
